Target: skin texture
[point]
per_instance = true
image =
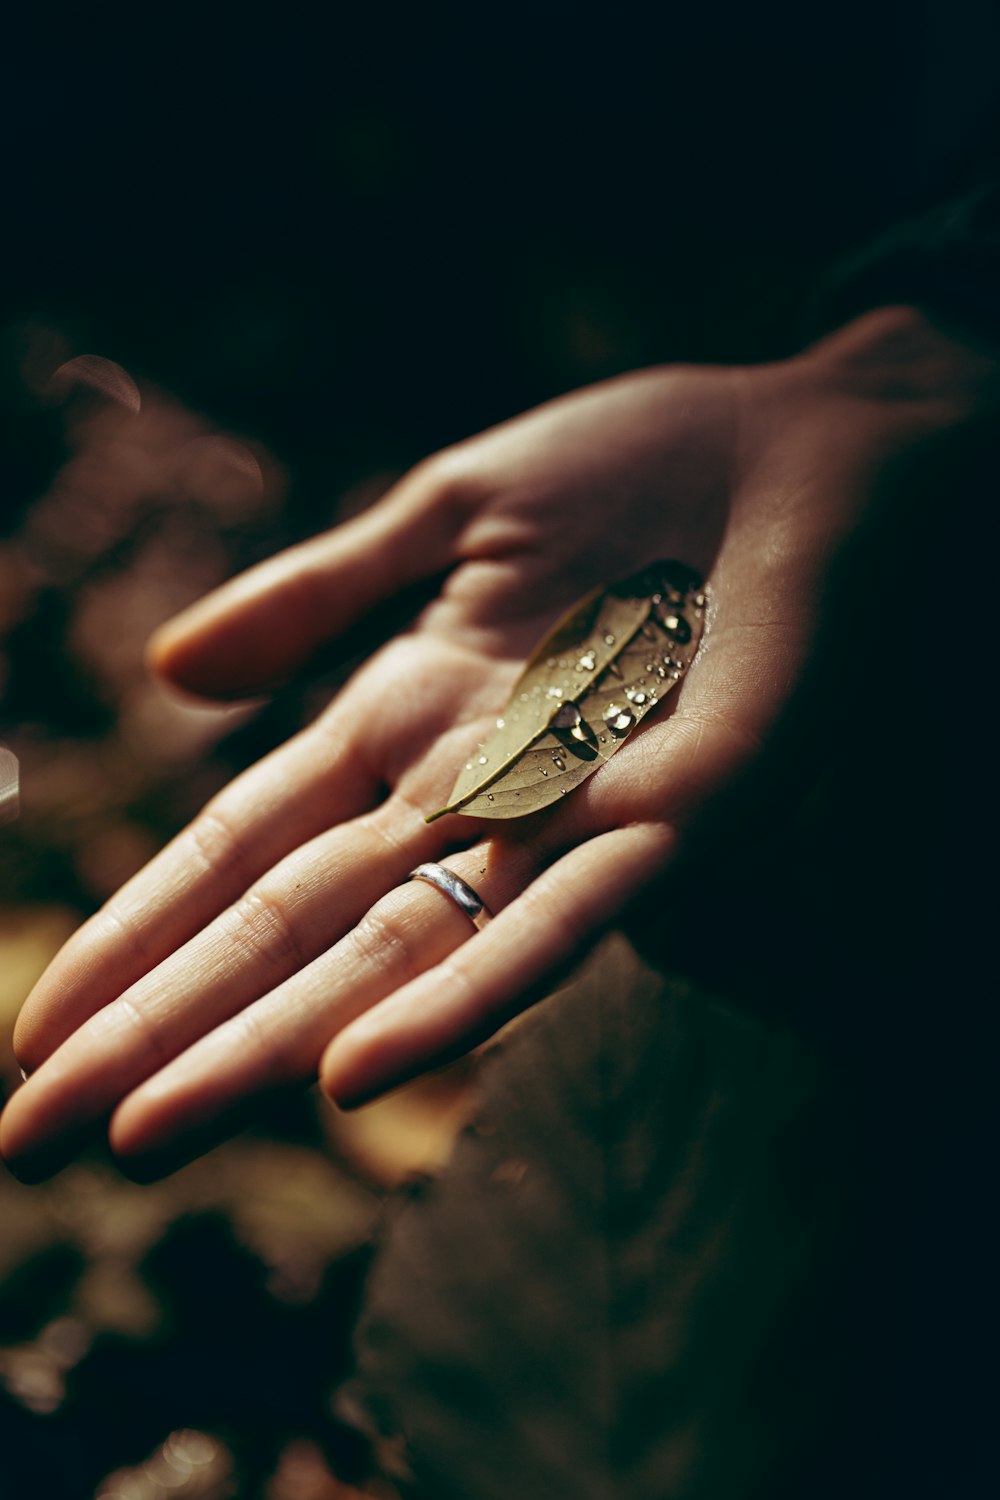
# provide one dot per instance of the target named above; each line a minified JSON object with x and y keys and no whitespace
{"x":274,"y":939}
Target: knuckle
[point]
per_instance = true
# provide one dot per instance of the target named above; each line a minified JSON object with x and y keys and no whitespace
{"x":550,"y":907}
{"x":218,"y":844}
{"x":454,"y":972}
{"x":146,"y":1028}
{"x":392,"y":827}
{"x":263,"y":922}
{"x":443,"y":477}
{"x":114,"y":925}
{"x":261,"y":1041}
{"x":383,"y":942}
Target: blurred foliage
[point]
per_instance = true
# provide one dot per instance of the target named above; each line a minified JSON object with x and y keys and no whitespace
{"x":184,"y":1338}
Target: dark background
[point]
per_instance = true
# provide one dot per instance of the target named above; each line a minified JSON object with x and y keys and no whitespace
{"x":360,"y":233}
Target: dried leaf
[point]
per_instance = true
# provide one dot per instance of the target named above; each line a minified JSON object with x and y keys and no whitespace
{"x":631,"y":1280}
{"x":593,"y":678}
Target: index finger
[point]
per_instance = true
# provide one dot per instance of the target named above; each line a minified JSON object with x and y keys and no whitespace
{"x":262,"y":626}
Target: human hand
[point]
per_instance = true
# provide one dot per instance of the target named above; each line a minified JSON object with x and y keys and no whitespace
{"x":277,"y":935}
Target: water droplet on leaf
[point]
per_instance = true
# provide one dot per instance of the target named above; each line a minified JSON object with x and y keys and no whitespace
{"x":618,"y":718}
{"x":567,"y":716}
{"x":677,"y":627}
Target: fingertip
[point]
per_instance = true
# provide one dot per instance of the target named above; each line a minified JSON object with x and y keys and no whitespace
{"x":388,"y":1046}
{"x":159,"y":1128}
{"x":177,"y":638}
{"x":144,"y":1170}
{"x":147,"y":1119}
{"x":29,"y":1152}
{"x":191,"y":656}
{"x":21,"y":1170}
{"x":32,"y":1169}
{"x":124,"y":1137}
{"x":140,"y":1152}
{"x":147,"y":1125}
{"x":159,"y":654}
{"x":334,"y":1076}
{"x":62,"y":998}
{"x":34,"y":1038}
{"x":347,"y":1102}
{"x":27,"y":1042}
{"x":350,"y":1072}
{"x":144,"y":1156}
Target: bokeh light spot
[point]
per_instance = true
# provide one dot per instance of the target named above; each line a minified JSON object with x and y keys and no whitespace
{"x":222,"y":474}
{"x":92,"y":375}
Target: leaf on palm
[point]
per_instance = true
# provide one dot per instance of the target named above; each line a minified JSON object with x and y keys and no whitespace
{"x":597,"y":674}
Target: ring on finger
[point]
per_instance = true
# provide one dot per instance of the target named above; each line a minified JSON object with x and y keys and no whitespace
{"x":458,"y":890}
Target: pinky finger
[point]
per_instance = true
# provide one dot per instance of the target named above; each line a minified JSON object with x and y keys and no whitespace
{"x":500,"y":971}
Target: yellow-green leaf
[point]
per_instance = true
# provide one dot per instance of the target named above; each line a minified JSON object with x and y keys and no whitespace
{"x":593,"y":678}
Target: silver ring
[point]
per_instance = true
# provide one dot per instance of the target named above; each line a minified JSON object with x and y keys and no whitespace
{"x":464,"y":897}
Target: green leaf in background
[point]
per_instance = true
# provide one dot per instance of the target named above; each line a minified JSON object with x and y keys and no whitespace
{"x":594,"y":677}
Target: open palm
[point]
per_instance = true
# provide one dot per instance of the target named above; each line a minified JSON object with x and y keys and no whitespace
{"x":277,"y":936}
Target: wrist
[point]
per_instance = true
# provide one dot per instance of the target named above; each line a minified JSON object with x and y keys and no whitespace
{"x":919,"y":370}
